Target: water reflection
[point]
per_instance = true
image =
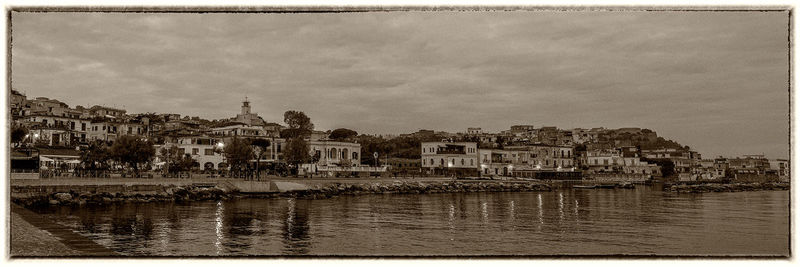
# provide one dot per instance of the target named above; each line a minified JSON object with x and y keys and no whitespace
{"x":219,"y":216}
{"x":541,"y":212}
{"x":640,"y":221}
{"x":485,"y":212}
{"x":296,"y":228}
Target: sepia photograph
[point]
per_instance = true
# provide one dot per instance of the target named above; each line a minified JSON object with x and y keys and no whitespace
{"x":409,"y":132}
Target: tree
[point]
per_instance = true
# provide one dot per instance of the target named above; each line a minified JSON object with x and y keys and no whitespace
{"x":500,"y":142}
{"x":342,"y":134}
{"x":260,"y":147}
{"x":132,"y":151}
{"x":238,"y":154}
{"x":95,"y":156}
{"x":299,"y":124}
{"x":176,"y":161}
{"x":18,"y":134}
{"x":296,"y":152}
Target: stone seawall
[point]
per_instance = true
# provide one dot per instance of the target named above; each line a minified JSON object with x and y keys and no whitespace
{"x":335,"y":189}
{"x":735,"y":187}
{"x":29,"y":195}
{"x":104,"y":194}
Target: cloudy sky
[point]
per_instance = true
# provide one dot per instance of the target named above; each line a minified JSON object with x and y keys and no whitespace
{"x":716,"y":81}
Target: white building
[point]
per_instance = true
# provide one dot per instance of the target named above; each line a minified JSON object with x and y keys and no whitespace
{"x":450,"y":157}
{"x":202,"y":149}
{"x":334,"y":153}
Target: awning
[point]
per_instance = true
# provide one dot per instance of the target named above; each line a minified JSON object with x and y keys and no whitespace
{"x":74,"y":161}
{"x":45,"y":159}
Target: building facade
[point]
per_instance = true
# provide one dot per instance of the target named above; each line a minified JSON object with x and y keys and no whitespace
{"x":450,"y":158}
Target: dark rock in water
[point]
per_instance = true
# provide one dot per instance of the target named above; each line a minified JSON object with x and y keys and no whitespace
{"x":63,"y":197}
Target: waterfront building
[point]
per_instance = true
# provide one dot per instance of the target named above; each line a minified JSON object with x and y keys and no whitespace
{"x":206,"y":150}
{"x":335,"y":158}
{"x":58,"y":130}
{"x":59,"y":160}
{"x":780,"y":166}
{"x":335,"y":153}
{"x":546,"y":156}
{"x":453,"y":158}
{"x":498,"y":161}
{"x":685,"y":160}
{"x":721,"y":167}
{"x":404,"y":166}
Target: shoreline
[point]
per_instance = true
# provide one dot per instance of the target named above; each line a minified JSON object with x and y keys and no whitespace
{"x":79,"y":195}
{"x":81,"y":192}
{"x":732,"y":187}
{"x":33,"y":235}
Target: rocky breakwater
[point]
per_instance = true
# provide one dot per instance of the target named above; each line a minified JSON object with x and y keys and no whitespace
{"x":167,"y":193}
{"x":734,"y":187}
{"x":336,"y":189}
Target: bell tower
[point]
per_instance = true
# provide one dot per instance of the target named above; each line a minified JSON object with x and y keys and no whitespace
{"x":245,"y":106}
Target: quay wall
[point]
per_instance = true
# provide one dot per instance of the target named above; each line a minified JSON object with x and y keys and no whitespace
{"x":82,"y":194}
{"x":720,"y":187}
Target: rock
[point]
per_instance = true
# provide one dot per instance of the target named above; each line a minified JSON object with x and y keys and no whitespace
{"x":53,"y":202}
{"x":63,"y":197}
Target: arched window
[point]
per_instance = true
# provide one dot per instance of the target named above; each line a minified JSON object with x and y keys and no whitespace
{"x":442,"y":161}
{"x":462,"y":162}
{"x":431,"y":162}
{"x":471,"y":163}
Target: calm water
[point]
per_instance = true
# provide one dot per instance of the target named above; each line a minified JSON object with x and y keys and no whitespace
{"x":640,"y":221}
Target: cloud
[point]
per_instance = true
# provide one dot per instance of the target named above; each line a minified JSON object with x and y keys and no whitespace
{"x":712,"y":80}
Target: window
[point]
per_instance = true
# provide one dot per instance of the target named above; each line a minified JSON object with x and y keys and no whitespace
{"x":209,"y":152}
{"x":471,"y":163}
{"x":83,"y":126}
{"x":279,"y":147}
{"x":462,"y":162}
{"x":431,"y":162}
{"x":195,"y":151}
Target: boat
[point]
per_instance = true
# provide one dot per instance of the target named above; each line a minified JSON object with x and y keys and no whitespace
{"x":583,"y":186}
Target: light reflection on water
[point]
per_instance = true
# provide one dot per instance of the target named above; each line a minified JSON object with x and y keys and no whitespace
{"x":581,"y":222}
{"x":219,"y":216}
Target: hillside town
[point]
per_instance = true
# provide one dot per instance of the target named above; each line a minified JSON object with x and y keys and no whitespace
{"x":51,"y":139}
